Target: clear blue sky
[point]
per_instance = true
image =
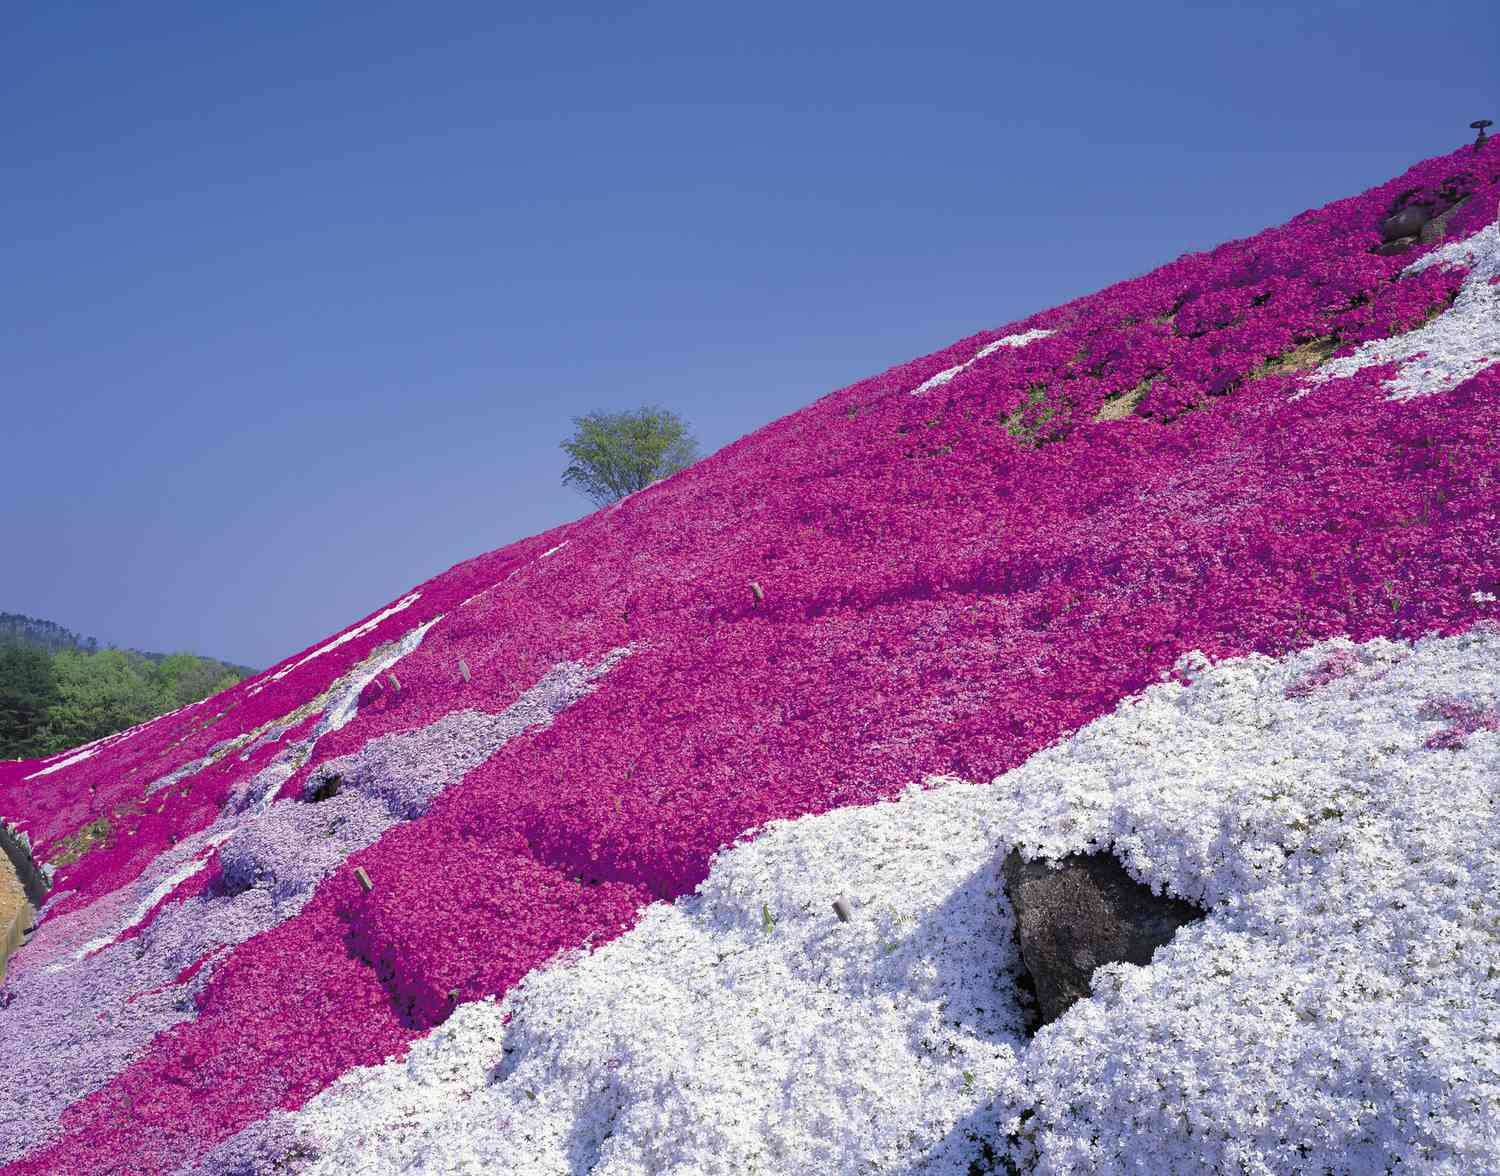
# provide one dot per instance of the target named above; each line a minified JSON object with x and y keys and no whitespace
{"x":298,"y":299}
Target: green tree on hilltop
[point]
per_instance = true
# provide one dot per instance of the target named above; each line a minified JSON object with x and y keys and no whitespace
{"x":617,"y":453}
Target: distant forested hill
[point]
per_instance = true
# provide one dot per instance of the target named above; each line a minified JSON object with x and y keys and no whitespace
{"x":40,"y":634}
{"x":58,"y":689}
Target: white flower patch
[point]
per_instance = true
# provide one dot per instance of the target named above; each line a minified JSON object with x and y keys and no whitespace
{"x":1337,"y":1010}
{"x":1479,"y":597}
{"x":947,"y":374}
{"x":1457,"y":345}
{"x":61,"y":759}
{"x":125,"y":907}
{"x":1339,"y":1007}
{"x":342,"y":639}
{"x":186,"y":862}
{"x":337,"y":704}
{"x":76,"y":757}
{"x":345,"y":703}
{"x":94,"y":745}
{"x":743,"y":1029}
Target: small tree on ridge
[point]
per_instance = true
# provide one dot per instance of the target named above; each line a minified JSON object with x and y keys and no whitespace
{"x":617,"y":453}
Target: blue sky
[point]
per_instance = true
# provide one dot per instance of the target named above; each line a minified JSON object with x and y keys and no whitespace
{"x":300,"y":299}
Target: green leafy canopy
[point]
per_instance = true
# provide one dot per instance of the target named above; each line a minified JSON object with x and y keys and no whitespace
{"x":617,"y":453}
{"x":50,"y":702}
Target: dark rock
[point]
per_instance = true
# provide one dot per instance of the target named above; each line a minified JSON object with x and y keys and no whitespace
{"x":1084,"y":912}
{"x":1400,"y":245}
{"x":1406,"y":223}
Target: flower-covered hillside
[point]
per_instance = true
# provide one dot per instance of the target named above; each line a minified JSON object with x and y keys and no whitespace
{"x":939,"y":571}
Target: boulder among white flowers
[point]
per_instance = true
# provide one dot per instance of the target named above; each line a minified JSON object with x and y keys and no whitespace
{"x":1079,"y":913}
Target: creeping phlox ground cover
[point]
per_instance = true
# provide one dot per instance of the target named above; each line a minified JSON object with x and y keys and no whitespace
{"x":1339,"y":1006}
{"x":530,"y":754}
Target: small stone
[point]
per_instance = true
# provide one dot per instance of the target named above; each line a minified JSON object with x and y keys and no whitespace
{"x":1406,"y":223}
{"x":842,"y":909}
{"x":1399,"y":245}
{"x":1083,"y":913}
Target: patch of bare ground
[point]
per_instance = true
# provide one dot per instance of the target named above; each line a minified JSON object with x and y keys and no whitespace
{"x":1300,"y":358}
{"x":15,"y":912}
{"x":1117,"y":408}
{"x":75,"y":845}
{"x":1038,"y":419}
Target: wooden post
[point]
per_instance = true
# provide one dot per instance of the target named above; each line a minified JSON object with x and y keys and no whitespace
{"x":757,"y":591}
{"x":463,"y":668}
{"x":363,"y":879}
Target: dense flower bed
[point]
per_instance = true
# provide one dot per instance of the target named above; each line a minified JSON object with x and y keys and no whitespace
{"x":1318,"y":1019}
{"x":949,"y":582}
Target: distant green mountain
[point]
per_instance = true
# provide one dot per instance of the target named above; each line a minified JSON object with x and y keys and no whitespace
{"x":54,"y":638}
{"x":59,"y":690}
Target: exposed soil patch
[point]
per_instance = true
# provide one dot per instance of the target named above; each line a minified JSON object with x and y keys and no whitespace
{"x":1117,"y":408}
{"x":15,"y":912}
{"x":1038,"y":420}
{"x":75,"y":845}
{"x":1299,"y":359}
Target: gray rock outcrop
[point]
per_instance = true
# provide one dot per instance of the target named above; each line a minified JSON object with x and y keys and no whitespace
{"x":1406,"y":223}
{"x":1080,"y":913}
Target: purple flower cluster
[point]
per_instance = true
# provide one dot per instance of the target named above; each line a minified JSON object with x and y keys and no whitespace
{"x":1463,"y":719}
